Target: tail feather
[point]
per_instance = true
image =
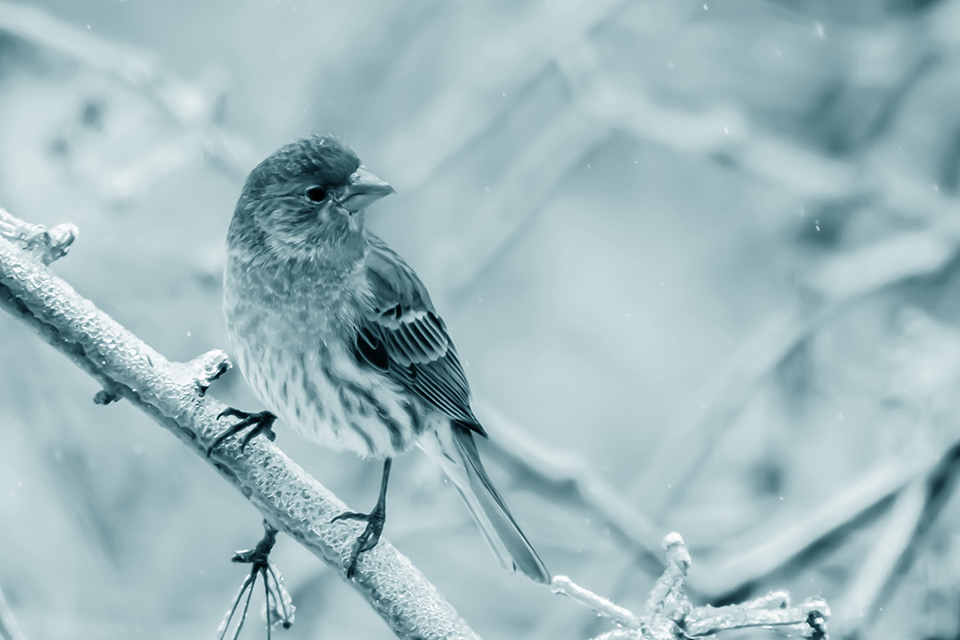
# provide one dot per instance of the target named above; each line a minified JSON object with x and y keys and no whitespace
{"x":458,"y":456}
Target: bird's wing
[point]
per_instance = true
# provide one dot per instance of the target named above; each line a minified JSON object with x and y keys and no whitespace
{"x":402,"y":336}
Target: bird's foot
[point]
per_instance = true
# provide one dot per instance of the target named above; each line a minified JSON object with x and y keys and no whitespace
{"x":279,"y":606}
{"x":370,"y":536}
{"x":257,"y":423}
{"x":260,"y":554}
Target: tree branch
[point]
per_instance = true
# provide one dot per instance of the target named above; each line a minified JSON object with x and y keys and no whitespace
{"x":173,"y":394}
{"x":669,"y":615}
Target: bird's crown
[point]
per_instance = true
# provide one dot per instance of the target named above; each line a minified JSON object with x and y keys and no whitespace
{"x":324,"y":160}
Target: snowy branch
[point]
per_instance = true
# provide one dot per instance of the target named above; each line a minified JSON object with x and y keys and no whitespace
{"x":669,"y":615}
{"x":173,"y":394}
{"x":44,"y":244}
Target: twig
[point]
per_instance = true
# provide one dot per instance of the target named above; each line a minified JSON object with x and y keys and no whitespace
{"x":669,"y":586}
{"x":9,"y":630}
{"x":563,"y":621}
{"x":907,"y":255}
{"x":810,"y":616}
{"x":669,"y":615}
{"x":171,"y":393}
{"x":615,"y":613}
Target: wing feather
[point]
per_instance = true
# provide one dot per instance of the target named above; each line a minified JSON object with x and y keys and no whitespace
{"x":402,"y":336}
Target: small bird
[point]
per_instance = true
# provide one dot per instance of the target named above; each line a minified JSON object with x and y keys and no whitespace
{"x":338,"y":337}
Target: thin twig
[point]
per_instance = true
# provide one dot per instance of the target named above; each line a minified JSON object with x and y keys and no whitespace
{"x":609,"y":610}
{"x":171,"y":393}
{"x":669,"y":615}
{"x":669,"y":586}
{"x":809,"y":617}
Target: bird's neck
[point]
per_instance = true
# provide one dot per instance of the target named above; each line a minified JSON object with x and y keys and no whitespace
{"x":287,"y":268}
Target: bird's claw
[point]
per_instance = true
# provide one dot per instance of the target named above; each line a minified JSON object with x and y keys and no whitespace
{"x":368,"y":539}
{"x":279,"y":606}
{"x":258,"y":423}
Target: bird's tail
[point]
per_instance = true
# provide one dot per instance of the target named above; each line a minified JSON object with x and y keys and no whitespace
{"x":455,"y":451}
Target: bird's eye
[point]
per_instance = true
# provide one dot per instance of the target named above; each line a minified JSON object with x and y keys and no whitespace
{"x":316,"y":194}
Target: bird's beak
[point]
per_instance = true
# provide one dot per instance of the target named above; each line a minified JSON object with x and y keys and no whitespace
{"x":363,"y":190}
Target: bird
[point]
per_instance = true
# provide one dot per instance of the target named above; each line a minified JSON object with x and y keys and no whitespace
{"x":338,"y":337}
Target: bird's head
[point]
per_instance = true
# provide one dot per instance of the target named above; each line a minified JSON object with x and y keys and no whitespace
{"x":306,"y":199}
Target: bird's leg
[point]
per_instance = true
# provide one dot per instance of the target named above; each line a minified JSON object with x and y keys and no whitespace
{"x":259,"y":554}
{"x":258,"y":423}
{"x":375,"y":519}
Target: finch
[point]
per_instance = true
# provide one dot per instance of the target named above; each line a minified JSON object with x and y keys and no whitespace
{"x":338,"y":337}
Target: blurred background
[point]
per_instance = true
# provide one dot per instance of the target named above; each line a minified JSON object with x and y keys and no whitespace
{"x":700,"y":259}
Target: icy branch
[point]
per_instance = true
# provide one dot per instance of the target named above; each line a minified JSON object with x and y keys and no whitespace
{"x":173,"y":395}
{"x":669,"y":615}
{"x":44,"y":244}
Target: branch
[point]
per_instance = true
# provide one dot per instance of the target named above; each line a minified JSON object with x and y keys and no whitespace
{"x":45,"y":245}
{"x":669,"y":615}
{"x":173,"y":394}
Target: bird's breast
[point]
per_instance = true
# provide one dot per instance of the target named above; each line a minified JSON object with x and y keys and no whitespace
{"x":294,"y":345}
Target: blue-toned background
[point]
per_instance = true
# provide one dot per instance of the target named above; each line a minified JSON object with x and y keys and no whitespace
{"x":700,"y":259}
